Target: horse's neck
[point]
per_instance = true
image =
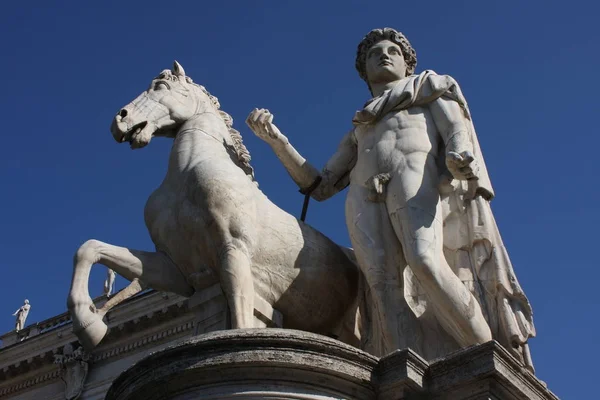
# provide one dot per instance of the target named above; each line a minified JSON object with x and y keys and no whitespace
{"x":203,"y":136}
{"x":207,"y":122}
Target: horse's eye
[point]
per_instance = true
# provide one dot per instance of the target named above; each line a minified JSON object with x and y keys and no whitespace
{"x":160,"y":86}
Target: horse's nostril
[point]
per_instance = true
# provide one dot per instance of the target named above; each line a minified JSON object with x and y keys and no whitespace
{"x":123,"y":113}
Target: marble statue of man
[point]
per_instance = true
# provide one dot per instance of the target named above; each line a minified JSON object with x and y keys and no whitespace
{"x":436,"y":273}
{"x":21,"y":315}
{"x":109,"y":283}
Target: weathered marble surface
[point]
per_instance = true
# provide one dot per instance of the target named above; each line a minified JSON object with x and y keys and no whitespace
{"x":437,"y":275}
{"x":211,"y":224}
{"x":289,"y":364}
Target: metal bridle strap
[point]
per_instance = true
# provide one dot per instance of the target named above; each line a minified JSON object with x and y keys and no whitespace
{"x":306,"y":192}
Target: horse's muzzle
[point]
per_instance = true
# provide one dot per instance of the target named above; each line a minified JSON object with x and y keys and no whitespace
{"x":118,"y":128}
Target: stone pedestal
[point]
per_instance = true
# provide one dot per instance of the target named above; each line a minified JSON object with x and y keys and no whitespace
{"x":287,"y":364}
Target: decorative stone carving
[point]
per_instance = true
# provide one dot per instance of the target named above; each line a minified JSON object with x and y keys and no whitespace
{"x":212,"y":224}
{"x":74,"y":365}
{"x":21,"y":315}
{"x":109,"y":283}
{"x":437,"y":275}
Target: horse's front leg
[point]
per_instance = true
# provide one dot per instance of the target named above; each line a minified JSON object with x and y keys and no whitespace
{"x":155,"y":270}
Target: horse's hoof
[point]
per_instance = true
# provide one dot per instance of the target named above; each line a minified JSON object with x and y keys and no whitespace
{"x":88,"y":327}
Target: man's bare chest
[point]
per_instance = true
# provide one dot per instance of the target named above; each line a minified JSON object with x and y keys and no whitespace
{"x":412,"y":129}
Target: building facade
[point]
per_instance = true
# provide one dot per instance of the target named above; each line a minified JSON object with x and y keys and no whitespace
{"x":45,"y":361}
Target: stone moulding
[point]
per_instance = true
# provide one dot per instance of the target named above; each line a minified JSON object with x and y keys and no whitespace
{"x":487,"y":368}
{"x":402,"y":371}
{"x":256,"y":362}
{"x":288,"y":364}
{"x":29,"y":364}
{"x":143,"y":341}
{"x":54,"y":374}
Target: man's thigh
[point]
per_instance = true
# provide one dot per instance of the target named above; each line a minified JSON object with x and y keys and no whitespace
{"x":375,"y":243}
{"x":417,"y":223}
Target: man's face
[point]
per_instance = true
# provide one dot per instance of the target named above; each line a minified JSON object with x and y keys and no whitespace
{"x":385,"y":63}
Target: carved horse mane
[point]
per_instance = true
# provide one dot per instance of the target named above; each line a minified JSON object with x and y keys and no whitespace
{"x":243,"y":154}
{"x":239,"y":149}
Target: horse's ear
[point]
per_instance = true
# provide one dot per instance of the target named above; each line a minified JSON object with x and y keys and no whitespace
{"x":178,"y":69}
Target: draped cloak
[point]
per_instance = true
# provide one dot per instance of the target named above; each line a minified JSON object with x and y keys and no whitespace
{"x":473,"y":246}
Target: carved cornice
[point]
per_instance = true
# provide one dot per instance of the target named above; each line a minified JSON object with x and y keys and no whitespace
{"x":401,"y":371}
{"x":29,"y":382}
{"x":143,"y":341}
{"x":140,"y":322}
{"x":482,"y":361}
{"x":162,"y":335}
{"x":288,"y":358}
{"x":283,"y":363}
{"x":147,"y":321}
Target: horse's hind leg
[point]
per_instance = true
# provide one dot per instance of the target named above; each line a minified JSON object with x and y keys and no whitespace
{"x":155,"y":270}
{"x":132,"y":289}
{"x":236,"y":281}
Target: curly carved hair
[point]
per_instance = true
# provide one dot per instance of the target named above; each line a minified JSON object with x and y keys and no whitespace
{"x":377,"y":35}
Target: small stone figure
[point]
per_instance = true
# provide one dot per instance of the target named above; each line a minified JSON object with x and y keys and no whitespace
{"x":21,"y":315}
{"x":109,"y":283}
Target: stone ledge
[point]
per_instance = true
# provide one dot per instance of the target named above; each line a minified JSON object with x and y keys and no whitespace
{"x":288,"y":364}
{"x":400,"y":374}
{"x":266,"y":362}
{"x":484,"y":370}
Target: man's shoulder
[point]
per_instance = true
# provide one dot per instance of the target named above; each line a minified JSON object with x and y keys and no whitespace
{"x":437,"y":81}
{"x":429,"y":87}
{"x":431,"y":74}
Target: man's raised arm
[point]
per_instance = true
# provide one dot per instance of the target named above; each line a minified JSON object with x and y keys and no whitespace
{"x":335,"y":175}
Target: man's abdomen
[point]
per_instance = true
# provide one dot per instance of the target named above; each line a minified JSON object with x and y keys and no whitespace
{"x":402,"y":142}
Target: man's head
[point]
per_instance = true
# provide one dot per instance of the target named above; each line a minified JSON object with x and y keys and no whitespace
{"x":375,"y":47}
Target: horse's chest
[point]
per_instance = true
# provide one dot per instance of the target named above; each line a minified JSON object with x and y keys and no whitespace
{"x":157,"y":214}
{"x":175,"y":227}
{"x":172,"y":220}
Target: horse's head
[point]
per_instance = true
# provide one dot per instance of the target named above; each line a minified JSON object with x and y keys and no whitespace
{"x":171,"y":99}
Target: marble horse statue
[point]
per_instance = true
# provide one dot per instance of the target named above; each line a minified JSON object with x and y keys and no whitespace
{"x":211,"y":224}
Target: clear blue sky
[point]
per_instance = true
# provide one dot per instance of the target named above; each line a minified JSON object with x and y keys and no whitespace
{"x":528,"y":70}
